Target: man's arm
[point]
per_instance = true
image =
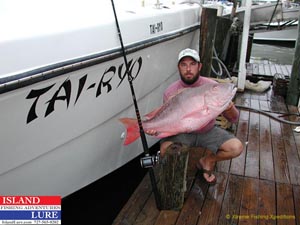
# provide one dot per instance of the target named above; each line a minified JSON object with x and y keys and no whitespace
{"x":231,"y":113}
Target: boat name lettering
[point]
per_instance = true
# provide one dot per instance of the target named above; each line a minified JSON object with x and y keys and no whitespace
{"x":155,"y":28}
{"x":63,"y":92}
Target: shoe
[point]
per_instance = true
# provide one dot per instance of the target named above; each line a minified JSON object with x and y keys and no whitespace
{"x":208,"y":172}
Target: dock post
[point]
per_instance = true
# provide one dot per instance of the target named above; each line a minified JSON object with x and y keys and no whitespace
{"x":207,"y":37}
{"x":244,"y":45}
{"x":292,"y":97}
{"x":172,"y":174}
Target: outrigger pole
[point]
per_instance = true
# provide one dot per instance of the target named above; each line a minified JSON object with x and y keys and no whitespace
{"x":142,"y":133}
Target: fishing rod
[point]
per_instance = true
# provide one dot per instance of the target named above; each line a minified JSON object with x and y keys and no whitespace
{"x":142,"y":133}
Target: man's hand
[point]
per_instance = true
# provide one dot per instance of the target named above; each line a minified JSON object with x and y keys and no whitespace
{"x":229,"y":106}
{"x":151,"y":132}
{"x":231,"y":113}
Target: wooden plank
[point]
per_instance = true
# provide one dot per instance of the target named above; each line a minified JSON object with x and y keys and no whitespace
{"x":297,"y":141}
{"x":243,"y":99}
{"x":255,"y":68}
{"x":149,"y":214}
{"x":238,"y":163}
{"x":277,"y":104}
{"x":270,"y":93}
{"x":280,"y":161}
{"x":289,"y":68}
{"x":252,"y":164}
{"x":254,"y":103}
{"x":244,"y":114}
{"x":265,"y":143}
{"x":261,"y":69}
{"x":213,"y":201}
{"x":282,"y":108}
{"x":296,"y":192}
{"x":285,"y":205}
{"x":264,"y":105}
{"x":194,"y":155}
{"x":192,"y":208}
{"x":266,"y":202}
{"x":291,"y":151}
{"x":167,"y":217}
{"x":249,"y":203}
{"x":294,"y":109}
{"x":223,"y":166}
{"x":285,"y":71}
{"x":131,"y":210}
{"x":278,"y":68}
{"x":273,"y":70}
{"x":249,"y":68}
{"x":264,"y":96}
{"x":232,"y":199}
{"x":267,"y":69}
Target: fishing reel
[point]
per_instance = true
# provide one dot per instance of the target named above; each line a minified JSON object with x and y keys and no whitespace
{"x":150,"y":160}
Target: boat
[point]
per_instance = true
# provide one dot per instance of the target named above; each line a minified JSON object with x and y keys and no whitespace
{"x":284,"y":35}
{"x":284,"y":30}
{"x":270,"y":20}
{"x":63,"y":85}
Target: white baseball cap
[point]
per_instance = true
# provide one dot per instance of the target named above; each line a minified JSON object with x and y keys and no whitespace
{"x":189,"y":52}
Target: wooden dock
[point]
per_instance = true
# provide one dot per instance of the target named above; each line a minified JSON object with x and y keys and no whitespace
{"x":261,"y":186}
{"x":267,"y":68}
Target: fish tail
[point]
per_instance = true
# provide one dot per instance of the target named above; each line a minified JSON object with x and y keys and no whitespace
{"x":132,"y":130}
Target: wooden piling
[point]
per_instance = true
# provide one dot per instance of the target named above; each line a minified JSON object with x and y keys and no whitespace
{"x":173,"y":169}
{"x":207,"y":36}
{"x":222,"y":37}
{"x":294,"y":84}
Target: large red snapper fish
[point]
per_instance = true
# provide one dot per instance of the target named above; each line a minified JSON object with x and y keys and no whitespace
{"x":188,"y":111}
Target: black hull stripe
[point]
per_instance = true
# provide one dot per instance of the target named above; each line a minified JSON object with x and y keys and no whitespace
{"x":44,"y":73}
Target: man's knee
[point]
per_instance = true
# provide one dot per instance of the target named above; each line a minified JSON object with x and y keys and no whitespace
{"x":237,"y":147}
{"x":233,"y":146}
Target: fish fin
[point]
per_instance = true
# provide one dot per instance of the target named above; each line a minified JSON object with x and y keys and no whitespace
{"x":152,"y":114}
{"x":132,"y":130}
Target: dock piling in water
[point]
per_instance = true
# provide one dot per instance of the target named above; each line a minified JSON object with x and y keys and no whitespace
{"x":207,"y":37}
{"x":293,"y":89}
{"x":173,"y":170}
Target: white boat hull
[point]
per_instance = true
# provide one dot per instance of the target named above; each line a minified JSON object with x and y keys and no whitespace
{"x":285,"y":35}
{"x":59,"y":115}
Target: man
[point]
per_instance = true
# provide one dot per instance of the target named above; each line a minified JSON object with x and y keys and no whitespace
{"x":221,"y":144}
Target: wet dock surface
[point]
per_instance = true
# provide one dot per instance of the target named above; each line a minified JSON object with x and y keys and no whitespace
{"x":261,"y":186}
{"x":268,"y":69}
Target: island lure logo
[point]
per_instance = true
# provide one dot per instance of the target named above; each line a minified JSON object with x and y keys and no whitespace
{"x":30,"y":210}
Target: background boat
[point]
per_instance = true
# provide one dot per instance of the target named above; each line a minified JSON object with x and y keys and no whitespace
{"x":278,"y":33}
{"x":63,"y":86}
{"x":275,"y":21}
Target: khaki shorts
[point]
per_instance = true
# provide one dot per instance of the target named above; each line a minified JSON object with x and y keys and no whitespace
{"x":211,"y":140}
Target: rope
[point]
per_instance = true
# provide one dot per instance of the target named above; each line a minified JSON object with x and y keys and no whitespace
{"x":269,"y":25}
{"x":269,"y":115}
